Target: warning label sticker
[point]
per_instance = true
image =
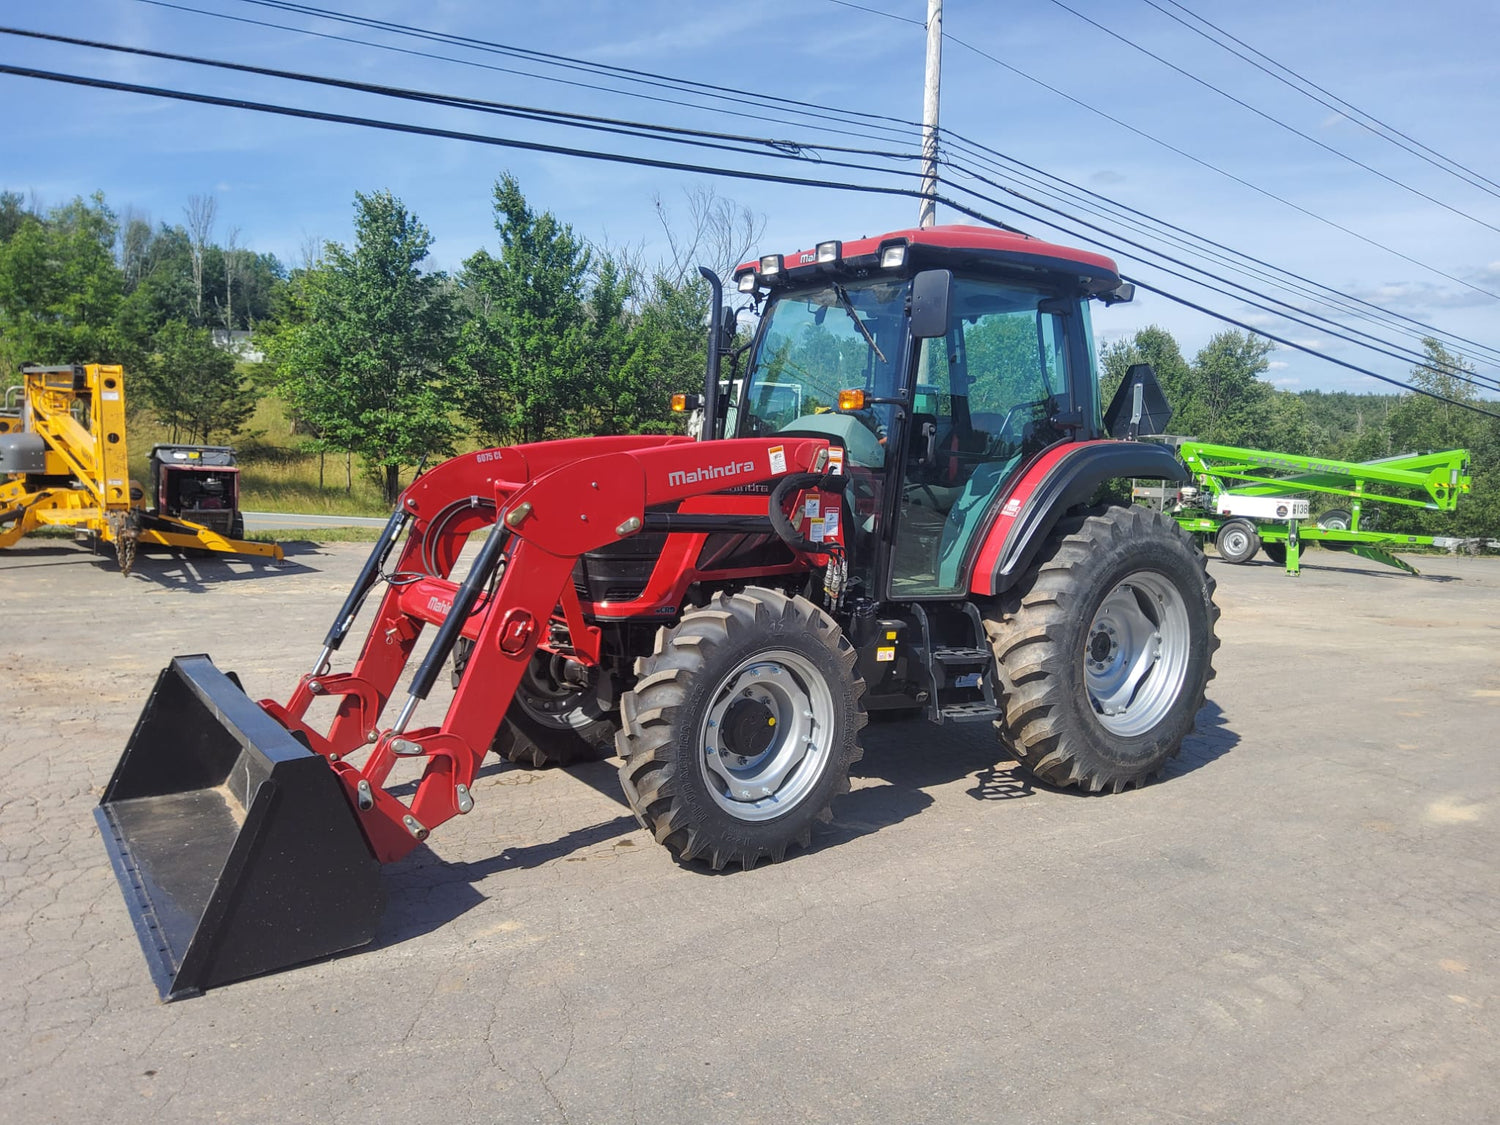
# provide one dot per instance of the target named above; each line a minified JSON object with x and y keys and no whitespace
{"x":831,"y":522}
{"x":778,"y":459}
{"x":815,"y":530}
{"x":836,"y":460}
{"x":885,"y":654}
{"x":811,"y":506}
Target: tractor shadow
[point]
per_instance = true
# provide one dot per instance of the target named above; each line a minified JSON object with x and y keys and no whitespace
{"x":902,"y":760}
{"x":427,"y":892}
{"x":193,"y":575}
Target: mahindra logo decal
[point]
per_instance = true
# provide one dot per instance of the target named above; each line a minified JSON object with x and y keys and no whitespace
{"x":709,"y":472}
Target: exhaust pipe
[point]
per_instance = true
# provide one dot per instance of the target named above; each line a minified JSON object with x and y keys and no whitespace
{"x":235,"y":846}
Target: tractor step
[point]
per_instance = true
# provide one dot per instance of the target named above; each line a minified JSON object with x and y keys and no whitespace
{"x":967,"y":712}
{"x":979,"y":656}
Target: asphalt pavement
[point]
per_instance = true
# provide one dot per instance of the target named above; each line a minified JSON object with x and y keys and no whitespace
{"x":1297,"y":923}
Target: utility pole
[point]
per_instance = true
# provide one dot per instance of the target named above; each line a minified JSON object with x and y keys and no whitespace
{"x":928,"y":214}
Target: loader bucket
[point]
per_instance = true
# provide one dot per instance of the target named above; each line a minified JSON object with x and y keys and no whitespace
{"x":235,"y":846}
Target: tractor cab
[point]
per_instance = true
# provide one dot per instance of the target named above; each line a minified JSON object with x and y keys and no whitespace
{"x":941,"y":362}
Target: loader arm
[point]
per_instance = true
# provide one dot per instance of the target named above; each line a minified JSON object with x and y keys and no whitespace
{"x":541,"y":507}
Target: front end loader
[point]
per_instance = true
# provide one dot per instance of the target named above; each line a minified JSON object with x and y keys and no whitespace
{"x":891,"y":504}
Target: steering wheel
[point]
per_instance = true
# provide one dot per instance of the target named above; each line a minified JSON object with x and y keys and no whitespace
{"x":1003,"y":436}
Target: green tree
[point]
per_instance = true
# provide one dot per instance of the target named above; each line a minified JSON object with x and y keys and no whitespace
{"x":1157,"y":347}
{"x":195,"y":387}
{"x":1226,"y":401}
{"x":664,"y":355}
{"x":1420,"y":423}
{"x":60,"y":289}
{"x":525,"y":350}
{"x":366,"y":362}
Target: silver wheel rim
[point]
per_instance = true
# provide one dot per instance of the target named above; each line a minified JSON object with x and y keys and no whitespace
{"x":786,"y":689}
{"x":1136,"y":655}
{"x":1236,"y":541}
{"x":561,"y":708}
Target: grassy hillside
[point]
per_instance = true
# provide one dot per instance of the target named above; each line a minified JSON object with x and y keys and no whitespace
{"x":277,"y":471}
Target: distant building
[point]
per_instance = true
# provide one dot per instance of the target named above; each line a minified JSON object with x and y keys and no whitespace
{"x":240,"y":342}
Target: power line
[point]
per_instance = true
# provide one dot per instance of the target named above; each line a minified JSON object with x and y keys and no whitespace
{"x":1366,"y":239}
{"x":1196,"y":269}
{"x":777,"y":147}
{"x":878,"y":12}
{"x":449,"y":134}
{"x":452,"y":134}
{"x":566,"y":62}
{"x":613,"y":90}
{"x":633,"y":128}
{"x":1195,"y":243}
{"x":659,"y":79}
{"x":1311,"y":351}
{"x":1196,"y":159}
{"x":1328,"y":99}
{"x":1273,"y":119}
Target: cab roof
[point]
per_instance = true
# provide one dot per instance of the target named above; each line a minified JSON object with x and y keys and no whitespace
{"x":957,"y":246}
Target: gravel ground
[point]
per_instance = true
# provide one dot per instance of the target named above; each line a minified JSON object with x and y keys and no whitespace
{"x":1297,"y":923}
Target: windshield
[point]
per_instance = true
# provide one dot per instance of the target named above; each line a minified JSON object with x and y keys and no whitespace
{"x":820,"y":341}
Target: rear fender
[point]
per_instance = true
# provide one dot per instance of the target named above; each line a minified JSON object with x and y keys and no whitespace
{"x":1063,"y":477}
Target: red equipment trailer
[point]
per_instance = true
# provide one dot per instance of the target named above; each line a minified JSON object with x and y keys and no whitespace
{"x":891,"y":507}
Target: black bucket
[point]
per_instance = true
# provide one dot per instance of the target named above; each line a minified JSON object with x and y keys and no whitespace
{"x":235,"y":846}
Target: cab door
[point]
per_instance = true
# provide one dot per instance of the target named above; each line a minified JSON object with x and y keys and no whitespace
{"x":985,"y":399}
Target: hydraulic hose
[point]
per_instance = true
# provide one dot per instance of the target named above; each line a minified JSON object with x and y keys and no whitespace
{"x":797,"y":482}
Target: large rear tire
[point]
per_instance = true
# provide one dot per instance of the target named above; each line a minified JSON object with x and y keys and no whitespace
{"x":1104,"y":650}
{"x":741,"y":728}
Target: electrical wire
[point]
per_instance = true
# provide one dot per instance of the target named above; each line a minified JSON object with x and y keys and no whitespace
{"x":1266,"y":192}
{"x":1176,"y":236}
{"x":1297,"y":283}
{"x":1328,"y":99}
{"x":612,"y":90}
{"x":1201,"y":162}
{"x":450,"y":134}
{"x":650,"y":78}
{"x":1176,"y":273}
{"x":1274,"y":120}
{"x":642,"y":161}
{"x":779,"y":147}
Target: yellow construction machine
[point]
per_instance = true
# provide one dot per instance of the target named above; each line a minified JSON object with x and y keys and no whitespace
{"x":64,"y":463}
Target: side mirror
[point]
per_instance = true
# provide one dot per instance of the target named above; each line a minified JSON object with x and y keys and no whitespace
{"x":729,"y":326}
{"x":931,"y":296}
{"x":1139,"y":406}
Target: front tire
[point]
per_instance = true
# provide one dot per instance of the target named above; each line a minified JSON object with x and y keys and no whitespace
{"x":741,"y":728}
{"x":1105,"y":649}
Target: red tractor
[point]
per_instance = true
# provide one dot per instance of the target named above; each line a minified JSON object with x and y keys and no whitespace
{"x":892,"y":506}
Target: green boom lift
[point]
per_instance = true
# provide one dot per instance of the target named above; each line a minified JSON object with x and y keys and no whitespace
{"x":1249,"y":500}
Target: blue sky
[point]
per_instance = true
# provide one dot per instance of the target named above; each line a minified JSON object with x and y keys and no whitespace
{"x":1429,"y":70}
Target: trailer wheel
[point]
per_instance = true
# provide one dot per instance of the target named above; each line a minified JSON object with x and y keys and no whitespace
{"x":1105,"y":649}
{"x":741,"y":728}
{"x":1237,"y":541}
{"x":553,"y":723}
{"x":1335,"y":519}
